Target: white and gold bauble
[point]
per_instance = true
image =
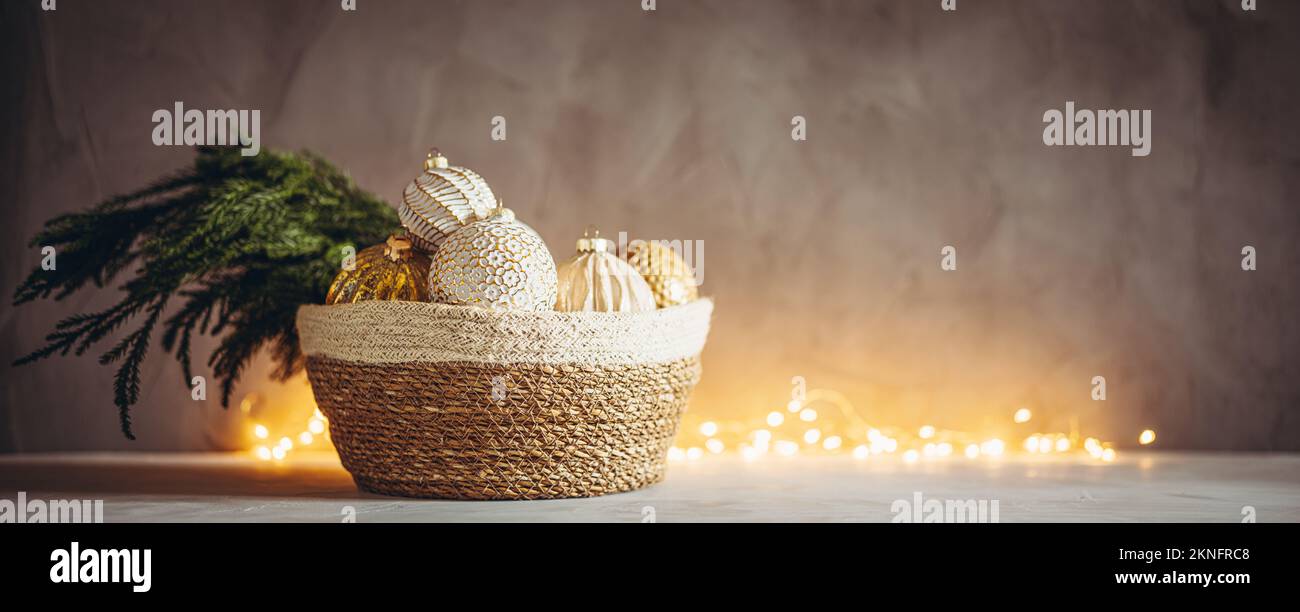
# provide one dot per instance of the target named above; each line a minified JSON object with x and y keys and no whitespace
{"x":596,"y":279}
{"x":442,"y":200}
{"x":496,"y":263}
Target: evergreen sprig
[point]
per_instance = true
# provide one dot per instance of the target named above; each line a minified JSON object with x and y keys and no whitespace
{"x":240,"y":241}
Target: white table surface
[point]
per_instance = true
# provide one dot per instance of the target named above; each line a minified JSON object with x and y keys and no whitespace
{"x":236,"y":487}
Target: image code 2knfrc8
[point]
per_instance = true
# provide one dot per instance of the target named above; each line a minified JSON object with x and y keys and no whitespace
{"x":1004,"y":290}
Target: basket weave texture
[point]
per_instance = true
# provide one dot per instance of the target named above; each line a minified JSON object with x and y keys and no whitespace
{"x":431,"y":400}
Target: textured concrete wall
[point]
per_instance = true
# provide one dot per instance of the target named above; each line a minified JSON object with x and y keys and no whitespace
{"x":924,"y":130}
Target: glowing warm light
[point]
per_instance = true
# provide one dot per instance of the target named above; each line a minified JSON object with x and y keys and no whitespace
{"x":316,"y":426}
{"x":263,"y":453}
{"x":1148,"y":436}
{"x":285,"y":443}
{"x":305,"y":438}
{"x":278,"y":452}
{"x":261,"y":431}
{"x":755,"y":437}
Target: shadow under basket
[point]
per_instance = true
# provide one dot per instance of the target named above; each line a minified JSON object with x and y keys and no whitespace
{"x":432,"y":400}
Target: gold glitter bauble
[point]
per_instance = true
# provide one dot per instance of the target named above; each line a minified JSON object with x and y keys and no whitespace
{"x":390,"y":271}
{"x":442,"y":200}
{"x":596,"y":279}
{"x":671,"y":280}
{"x":496,"y":263}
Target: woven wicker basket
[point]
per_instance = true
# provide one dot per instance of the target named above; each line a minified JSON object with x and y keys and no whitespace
{"x":431,"y":400}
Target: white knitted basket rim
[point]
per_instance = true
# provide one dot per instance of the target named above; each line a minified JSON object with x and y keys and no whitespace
{"x":418,"y":332}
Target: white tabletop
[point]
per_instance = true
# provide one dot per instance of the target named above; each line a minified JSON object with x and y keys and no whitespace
{"x":1139,"y":486}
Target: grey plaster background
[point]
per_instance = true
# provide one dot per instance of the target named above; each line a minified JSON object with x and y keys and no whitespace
{"x":924,"y":130}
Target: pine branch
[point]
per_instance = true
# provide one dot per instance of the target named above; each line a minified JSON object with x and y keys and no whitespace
{"x":240,"y":241}
{"x":126,"y":384}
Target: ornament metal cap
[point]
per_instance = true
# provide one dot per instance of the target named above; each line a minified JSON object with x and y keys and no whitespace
{"x":591,"y":242}
{"x":397,"y":247}
{"x":501,"y":211}
{"x":435,"y":160}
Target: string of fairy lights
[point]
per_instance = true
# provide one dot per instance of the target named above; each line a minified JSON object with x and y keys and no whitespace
{"x":799,"y":429}
{"x":838,"y":429}
{"x":276,"y":448}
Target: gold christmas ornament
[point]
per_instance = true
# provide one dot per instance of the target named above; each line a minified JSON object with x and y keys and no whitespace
{"x":392,"y":271}
{"x":496,"y":263}
{"x":442,"y":200}
{"x":670,"y":278}
{"x":597,"y":279}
